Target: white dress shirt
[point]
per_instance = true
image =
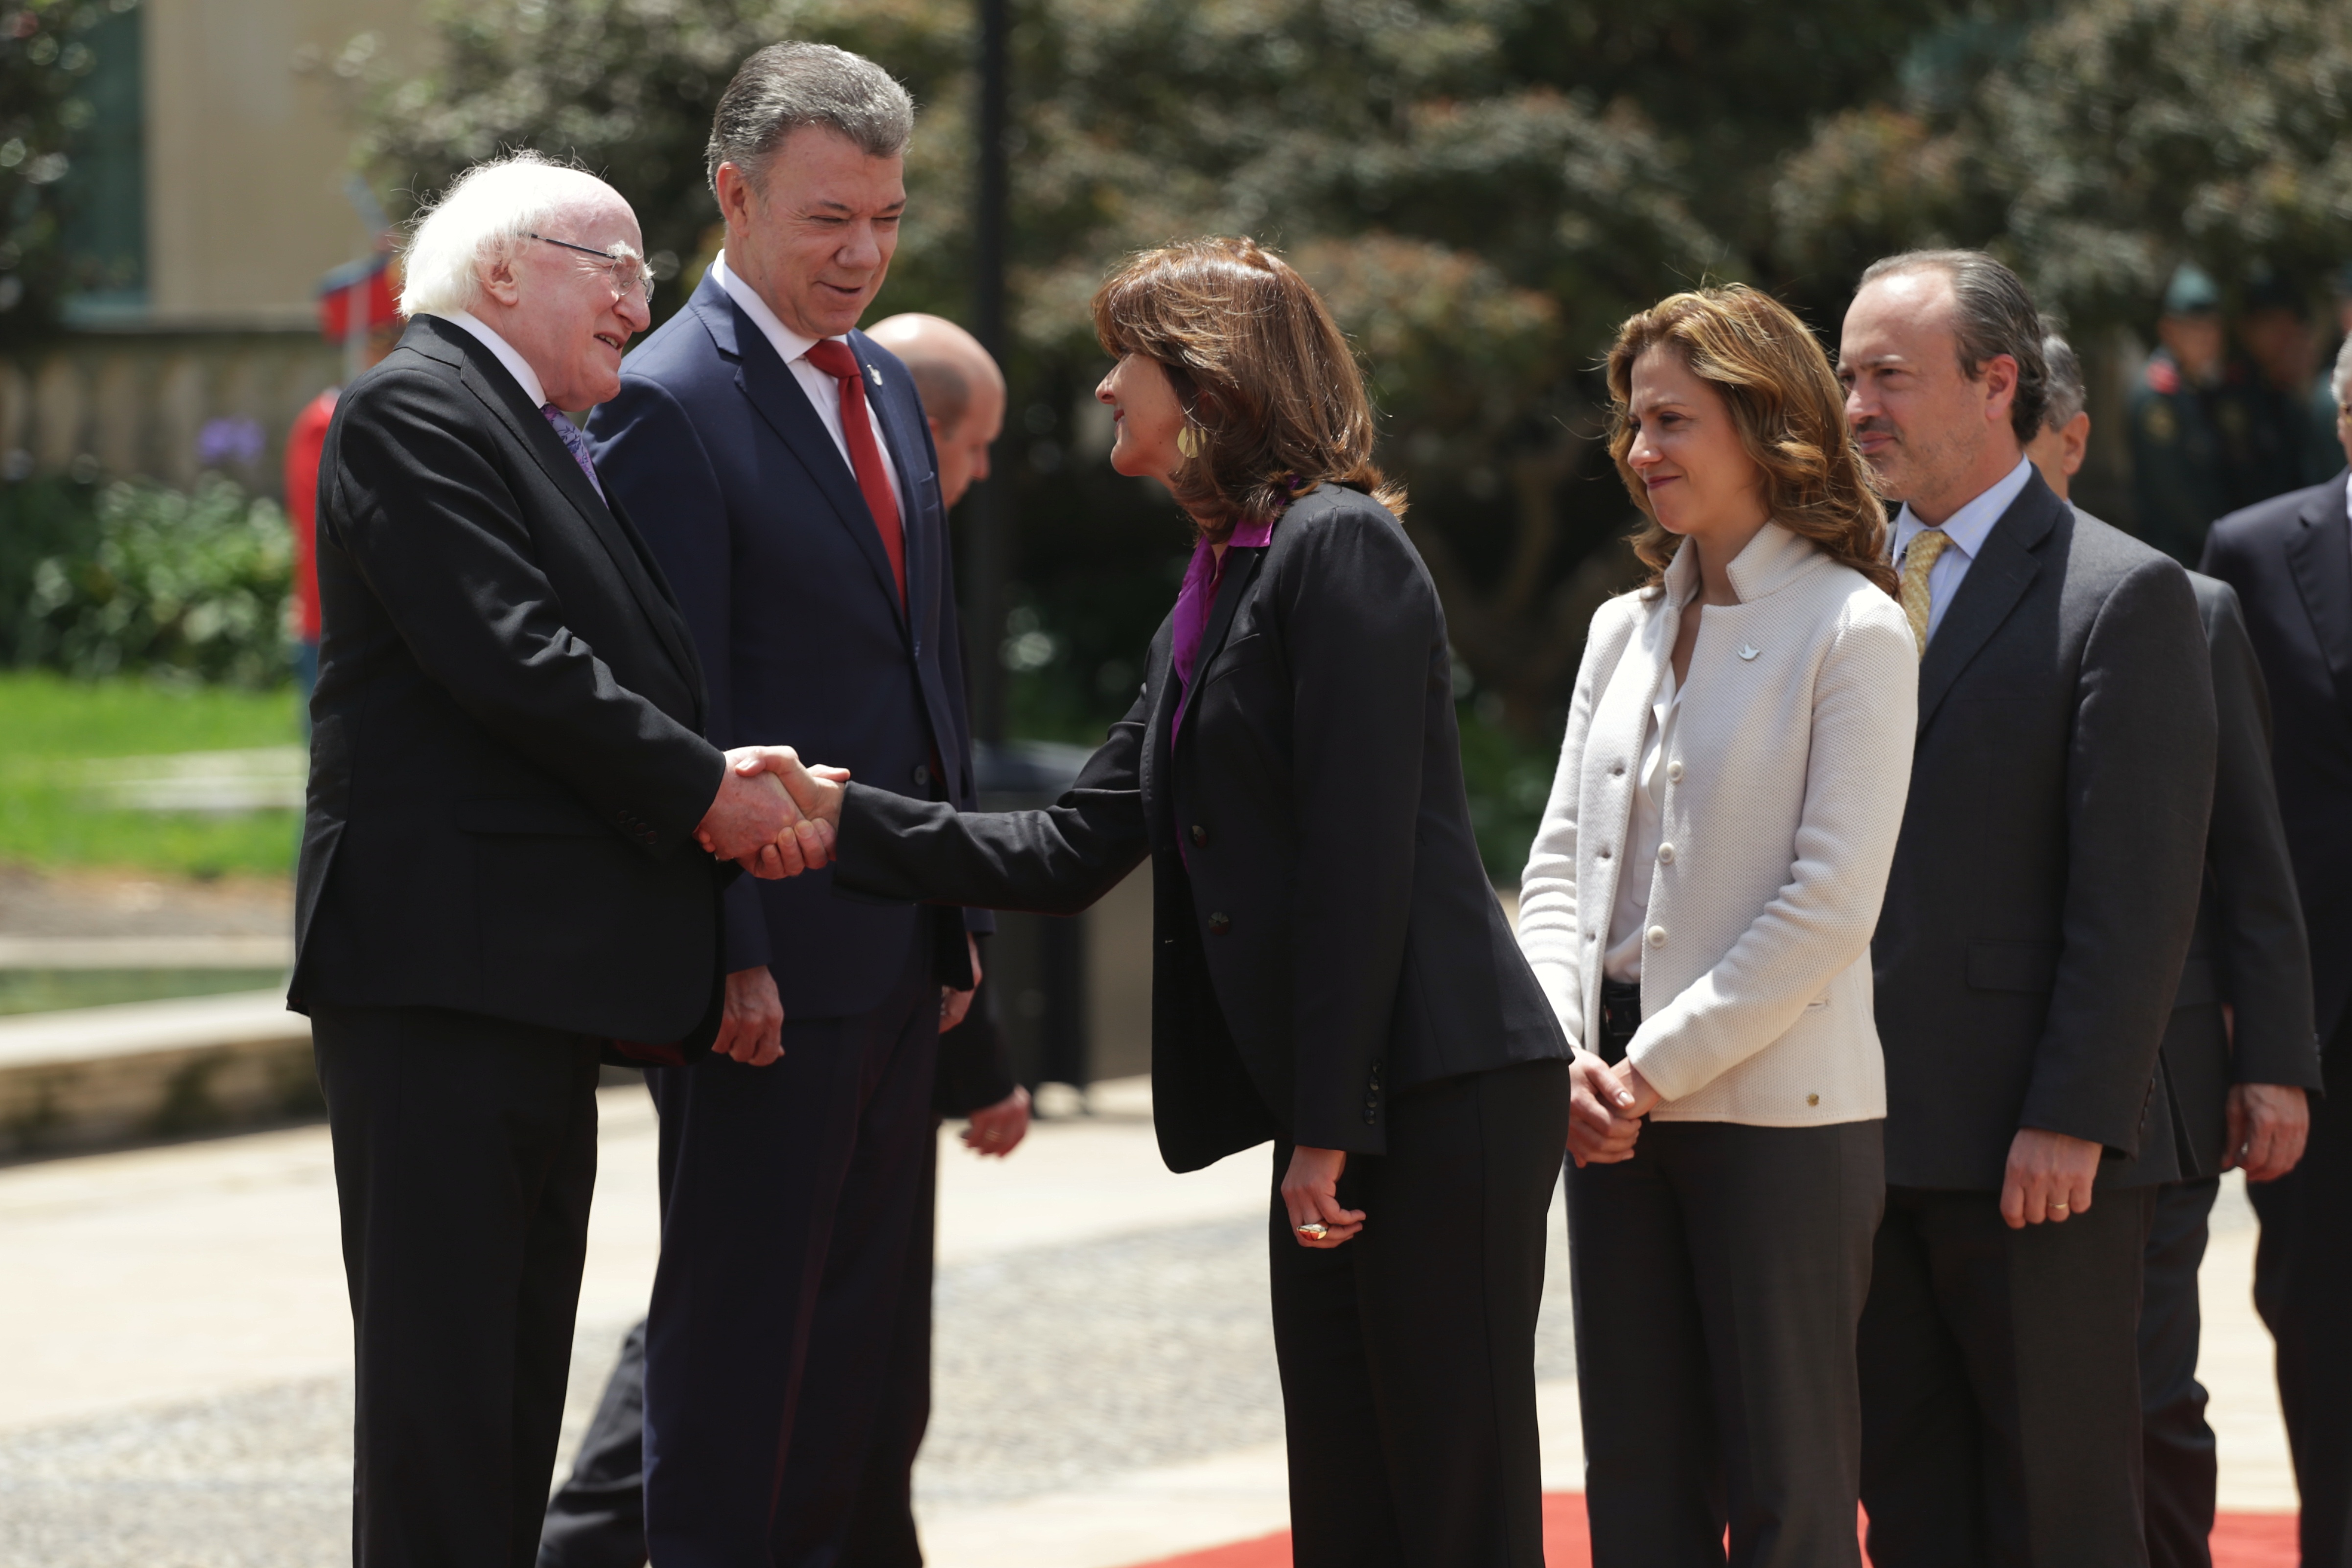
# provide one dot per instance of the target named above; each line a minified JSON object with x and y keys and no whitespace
{"x":1967,"y":529}
{"x":824,"y":392}
{"x":516,"y":366}
{"x":1630,"y":918}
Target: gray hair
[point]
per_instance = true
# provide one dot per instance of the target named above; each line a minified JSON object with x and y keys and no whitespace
{"x":2339,"y":385}
{"x":783,"y":87}
{"x":1992,"y":315}
{"x":484,"y":215}
{"x":2067,"y":393}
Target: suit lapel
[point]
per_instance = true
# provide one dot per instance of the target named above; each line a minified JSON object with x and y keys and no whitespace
{"x":1997,"y":580}
{"x":2319,"y":554}
{"x":768,"y":383}
{"x":1241,"y":569}
{"x":480,"y":372}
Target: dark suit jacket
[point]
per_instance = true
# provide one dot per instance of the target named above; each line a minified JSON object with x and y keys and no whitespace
{"x":1324,"y":934}
{"x":2290,"y":559}
{"x":507,"y":760}
{"x":757,"y":522}
{"x":2248,"y":951}
{"x":2045,"y":883}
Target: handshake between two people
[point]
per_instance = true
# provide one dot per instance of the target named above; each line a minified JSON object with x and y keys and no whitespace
{"x":1606,"y":1105}
{"x":774,"y":816}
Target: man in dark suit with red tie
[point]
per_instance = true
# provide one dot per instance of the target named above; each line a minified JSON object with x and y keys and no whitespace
{"x":786,"y":482}
{"x":2290,"y":559}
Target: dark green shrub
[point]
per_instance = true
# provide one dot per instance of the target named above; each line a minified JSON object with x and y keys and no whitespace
{"x":39,"y":519}
{"x":193,"y":585}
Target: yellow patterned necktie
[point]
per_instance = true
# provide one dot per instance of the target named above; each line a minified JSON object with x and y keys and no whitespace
{"x":1918,"y":559}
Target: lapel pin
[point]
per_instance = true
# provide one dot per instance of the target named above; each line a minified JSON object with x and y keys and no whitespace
{"x":1746,"y":651}
{"x":875,"y":374}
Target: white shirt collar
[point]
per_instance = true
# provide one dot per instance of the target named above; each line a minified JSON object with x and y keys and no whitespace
{"x":1969,"y":526}
{"x":516,"y":366}
{"x":789,"y":344}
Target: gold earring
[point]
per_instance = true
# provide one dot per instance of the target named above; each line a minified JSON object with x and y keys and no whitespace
{"x":1188,"y":444}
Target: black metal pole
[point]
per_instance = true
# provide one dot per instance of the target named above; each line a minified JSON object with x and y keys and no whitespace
{"x":989,"y":520}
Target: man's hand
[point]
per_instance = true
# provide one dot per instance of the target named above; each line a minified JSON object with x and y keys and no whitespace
{"x":1600,"y":1128}
{"x":998,"y":1129}
{"x":752,"y":1027}
{"x":1311,"y":1190}
{"x":2268,"y":1124}
{"x":2049,"y":1177}
{"x":955,"y":1005}
{"x":818,"y":787}
{"x":754,"y":822}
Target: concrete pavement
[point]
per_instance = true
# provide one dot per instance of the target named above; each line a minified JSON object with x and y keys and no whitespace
{"x":177,"y":1390}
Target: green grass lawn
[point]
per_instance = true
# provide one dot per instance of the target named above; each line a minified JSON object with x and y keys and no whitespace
{"x":48,"y":723}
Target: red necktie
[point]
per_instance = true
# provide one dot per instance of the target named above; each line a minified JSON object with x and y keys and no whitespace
{"x":833,"y":357}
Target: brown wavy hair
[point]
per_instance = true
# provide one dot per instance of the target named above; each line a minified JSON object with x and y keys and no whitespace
{"x":1787,"y":408}
{"x":1272,"y":394}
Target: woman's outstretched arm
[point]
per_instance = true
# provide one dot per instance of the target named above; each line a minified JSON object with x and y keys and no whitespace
{"x":1056,"y":861}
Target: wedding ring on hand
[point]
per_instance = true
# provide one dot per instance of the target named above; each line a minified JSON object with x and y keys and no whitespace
{"x":2061,"y":1208}
{"x":1313,"y":1231}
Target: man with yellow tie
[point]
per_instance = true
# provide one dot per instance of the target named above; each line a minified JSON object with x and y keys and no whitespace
{"x":2041,"y":906}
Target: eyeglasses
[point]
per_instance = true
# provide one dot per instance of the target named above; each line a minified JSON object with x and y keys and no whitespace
{"x":629,"y":275}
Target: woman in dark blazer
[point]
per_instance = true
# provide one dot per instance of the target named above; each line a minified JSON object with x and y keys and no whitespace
{"x":1332,"y":970}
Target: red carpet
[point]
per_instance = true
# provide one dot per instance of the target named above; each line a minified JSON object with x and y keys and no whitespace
{"x":2239,"y":1541}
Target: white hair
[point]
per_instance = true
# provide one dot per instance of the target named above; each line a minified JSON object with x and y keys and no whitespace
{"x":484,"y":215}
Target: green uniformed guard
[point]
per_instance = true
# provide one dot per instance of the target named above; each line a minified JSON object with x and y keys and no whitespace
{"x":2198,"y":427}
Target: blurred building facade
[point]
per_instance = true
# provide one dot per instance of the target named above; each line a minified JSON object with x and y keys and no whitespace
{"x":214,"y":184}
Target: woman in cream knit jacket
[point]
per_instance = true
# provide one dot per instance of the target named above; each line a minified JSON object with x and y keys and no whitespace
{"x":1698,"y":907}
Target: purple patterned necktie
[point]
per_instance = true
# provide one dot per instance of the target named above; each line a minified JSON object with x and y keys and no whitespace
{"x":574,"y":442}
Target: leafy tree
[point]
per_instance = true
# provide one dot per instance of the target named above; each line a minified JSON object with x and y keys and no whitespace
{"x":48,"y":50}
{"x":1483,"y":188}
{"x":2115,"y":140}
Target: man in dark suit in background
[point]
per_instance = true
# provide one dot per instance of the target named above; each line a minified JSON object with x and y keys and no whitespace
{"x":2290,"y":559}
{"x":2239,"y":1051}
{"x":500,"y":871}
{"x":790,"y":490}
{"x":597,"y":1519}
{"x":2040,"y":908}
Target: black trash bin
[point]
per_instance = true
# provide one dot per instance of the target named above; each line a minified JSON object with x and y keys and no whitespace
{"x":1037,"y":963}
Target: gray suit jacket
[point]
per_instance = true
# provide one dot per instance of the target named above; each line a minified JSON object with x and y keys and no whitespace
{"x":2046,"y":881}
{"x":2248,"y":951}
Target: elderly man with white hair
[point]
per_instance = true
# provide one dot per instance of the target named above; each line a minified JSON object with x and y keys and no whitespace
{"x":508,"y":865}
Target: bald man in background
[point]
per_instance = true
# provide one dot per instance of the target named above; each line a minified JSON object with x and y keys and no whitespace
{"x":598,"y":1518}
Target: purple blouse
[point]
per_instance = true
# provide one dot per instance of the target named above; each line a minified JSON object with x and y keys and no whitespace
{"x":1195,"y":599}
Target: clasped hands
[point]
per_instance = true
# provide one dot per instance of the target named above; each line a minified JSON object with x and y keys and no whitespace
{"x":773,"y":816}
{"x":1606,"y":1105}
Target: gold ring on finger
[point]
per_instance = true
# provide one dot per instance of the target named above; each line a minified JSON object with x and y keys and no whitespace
{"x":1315,"y":1231}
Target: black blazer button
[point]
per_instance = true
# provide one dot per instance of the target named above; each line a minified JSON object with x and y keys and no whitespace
{"x":1219,"y":923}
{"x":923,"y":775}
{"x":1371,"y":1117}
{"x":1199,"y":836}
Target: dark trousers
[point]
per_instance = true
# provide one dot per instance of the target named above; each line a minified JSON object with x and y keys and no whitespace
{"x":2174,"y":1437}
{"x":1408,"y":1354}
{"x":794,"y":1227}
{"x":597,"y":1517}
{"x":2303,"y":1288}
{"x":1718,"y":1276}
{"x":2001,"y":1384}
{"x":465,"y":1161}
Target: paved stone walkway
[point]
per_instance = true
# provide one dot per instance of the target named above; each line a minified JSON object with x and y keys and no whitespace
{"x":178,"y":1394}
